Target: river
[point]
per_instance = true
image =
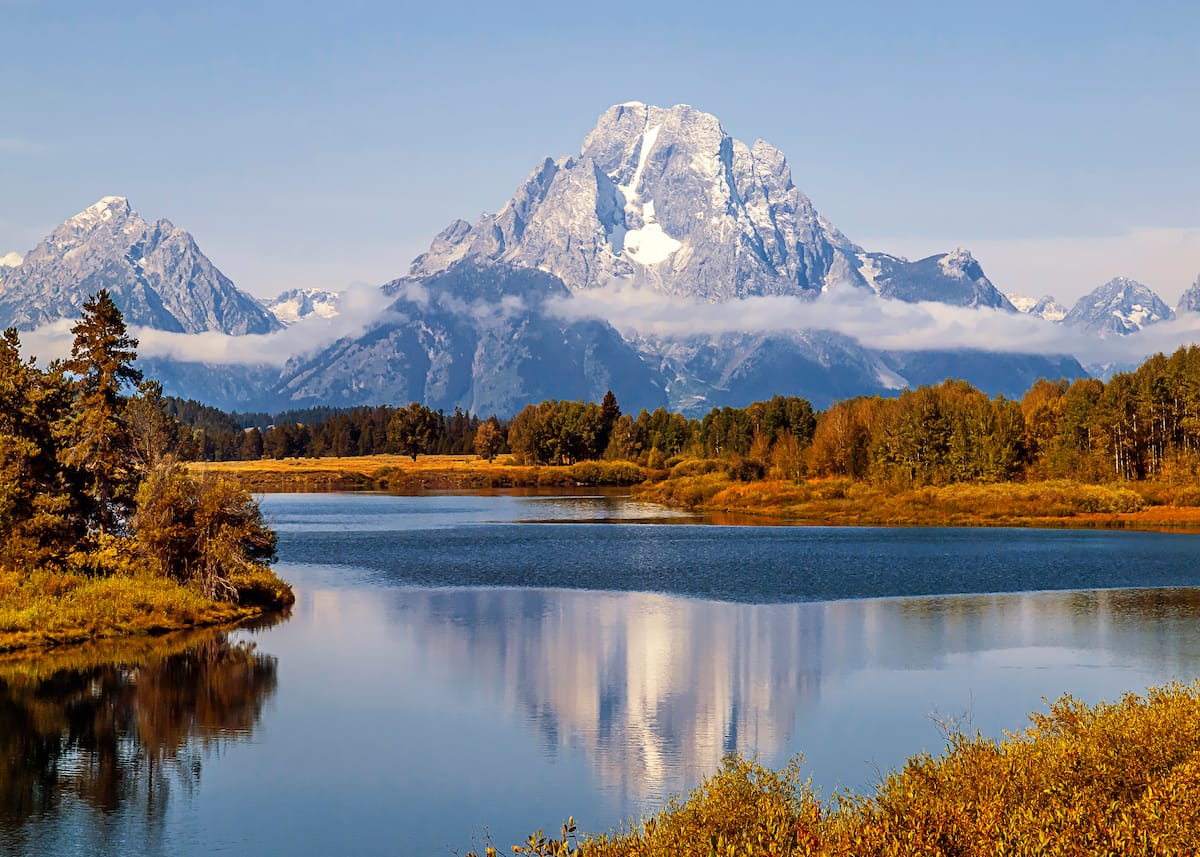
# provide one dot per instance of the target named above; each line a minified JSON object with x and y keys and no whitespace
{"x":462,"y":664}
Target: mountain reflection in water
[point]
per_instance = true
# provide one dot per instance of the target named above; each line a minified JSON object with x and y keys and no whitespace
{"x":656,"y":689}
{"x":92,"y":735}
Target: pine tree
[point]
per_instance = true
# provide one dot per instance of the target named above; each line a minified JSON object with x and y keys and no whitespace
{"x":100,"y":441}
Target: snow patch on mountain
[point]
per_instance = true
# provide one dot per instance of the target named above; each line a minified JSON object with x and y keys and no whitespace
{"x":11,"y":260}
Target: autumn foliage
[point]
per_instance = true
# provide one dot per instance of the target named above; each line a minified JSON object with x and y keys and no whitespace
{"x":1111,"y":779}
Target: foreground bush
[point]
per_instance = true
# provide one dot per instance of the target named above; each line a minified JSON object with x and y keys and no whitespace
{"x":1115,"y":778}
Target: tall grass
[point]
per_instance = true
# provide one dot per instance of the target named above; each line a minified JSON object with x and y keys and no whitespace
{"x":49,"y":607}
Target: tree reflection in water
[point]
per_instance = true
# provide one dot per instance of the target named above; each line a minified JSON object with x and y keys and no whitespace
{"x":117,"y":728}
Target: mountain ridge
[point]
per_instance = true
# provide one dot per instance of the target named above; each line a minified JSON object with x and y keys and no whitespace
{"x":155,"y":272}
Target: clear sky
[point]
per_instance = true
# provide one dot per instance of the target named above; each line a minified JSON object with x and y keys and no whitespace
{"x":317,"y":144}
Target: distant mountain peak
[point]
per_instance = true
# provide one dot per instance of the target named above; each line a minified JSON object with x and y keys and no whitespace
{"x":1189,"y":301}
{"x":11,"y":260}
{"x":1119,"y":307}
{"x":1044,"y":307}
{"x":296,"y":305}
{"x":155,"y":272}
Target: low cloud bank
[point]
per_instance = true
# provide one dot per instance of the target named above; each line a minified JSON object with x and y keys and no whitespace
{"x":358,"y":307}
{"x":872,"y":321}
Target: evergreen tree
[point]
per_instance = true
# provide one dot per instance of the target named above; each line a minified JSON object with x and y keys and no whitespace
{"x":100,"y":442}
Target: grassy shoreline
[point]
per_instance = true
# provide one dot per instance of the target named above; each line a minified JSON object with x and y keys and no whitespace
{"x":1052,"y":504}
{"x":400,"y":474}
{"x":45,"y":610}
{"x":1057,"y":504}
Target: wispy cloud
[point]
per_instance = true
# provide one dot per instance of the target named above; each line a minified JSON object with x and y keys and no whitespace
{"x":20,"y":146}
{"x":872,"y":321}
{"x":359,"y":307}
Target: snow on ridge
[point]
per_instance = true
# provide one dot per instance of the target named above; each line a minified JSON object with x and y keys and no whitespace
{"x":870,"y":270}
{"x":102,"y":210}
{"x":11,"y":260}
{"x":954,"y":263}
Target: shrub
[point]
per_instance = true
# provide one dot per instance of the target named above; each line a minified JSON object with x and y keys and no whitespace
{"x":606,"y":473}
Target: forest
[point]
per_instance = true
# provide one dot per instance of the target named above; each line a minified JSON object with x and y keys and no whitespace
{"x":1139,"y":425}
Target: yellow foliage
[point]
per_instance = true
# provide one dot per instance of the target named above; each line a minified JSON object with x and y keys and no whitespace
{"x":1111,"y":779}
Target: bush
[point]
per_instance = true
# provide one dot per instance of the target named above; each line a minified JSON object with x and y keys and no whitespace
{"x":606,"y":473}
{"x":1115,"y":778}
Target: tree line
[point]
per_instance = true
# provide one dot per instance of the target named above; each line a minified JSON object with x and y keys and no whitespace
{"x":1140,"y":424}
{"x":89,"y":480}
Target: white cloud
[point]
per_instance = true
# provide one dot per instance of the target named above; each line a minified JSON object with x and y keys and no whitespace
{"x":1165,"y":259}
{"x":359,"y":307}
{"x":872,"y":321}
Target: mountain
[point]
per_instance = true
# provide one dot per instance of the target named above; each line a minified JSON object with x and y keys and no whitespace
{"x":155,"y":272}
{"x":295,"y":305}
{"x":489,"y":318}
{"x":11,"y":260}
{"x":666,"y":198}
{"x":1189,"y":301}
{"x":1044,"y":307}
{"x":477,"y":336}
{"x":1119,"y":307}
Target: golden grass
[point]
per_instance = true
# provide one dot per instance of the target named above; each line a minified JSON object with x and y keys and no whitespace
{"x":1112,"y":779}
{"x":400,"y":474}
{"x":1057,"y":503}
{"x":49,"y":608}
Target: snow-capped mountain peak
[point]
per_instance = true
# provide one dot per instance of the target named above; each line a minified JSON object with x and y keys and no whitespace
{"x":11,"y":260}
{"x":1119,"y":307}
{"x":1044,"y":307}
{"x":666,"y":197}
{"x":295,"y":305}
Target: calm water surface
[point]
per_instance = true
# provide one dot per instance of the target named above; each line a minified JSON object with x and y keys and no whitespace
{"x":451,"y":666}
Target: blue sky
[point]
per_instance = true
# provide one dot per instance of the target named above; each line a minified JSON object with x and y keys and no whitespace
{"x":320,"y":144}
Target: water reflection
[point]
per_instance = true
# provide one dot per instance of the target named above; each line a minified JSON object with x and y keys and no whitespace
{"x":91,"y":735}
{"x":655,"y":689}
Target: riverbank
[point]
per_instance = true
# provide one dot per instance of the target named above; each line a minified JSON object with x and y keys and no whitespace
{"x":1115,"y":778}
{"x":400,"y":474}
{"x":818,"y":502}
{"x":45,"y":609}
{"x":842,"y":502}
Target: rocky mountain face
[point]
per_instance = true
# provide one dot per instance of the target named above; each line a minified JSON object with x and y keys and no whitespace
{"x":155,"y":272}
{"x":1189,"y":301}
{"x":476,"y":336}
{"x":667,"y":199}
{"x":1119,"y":307}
